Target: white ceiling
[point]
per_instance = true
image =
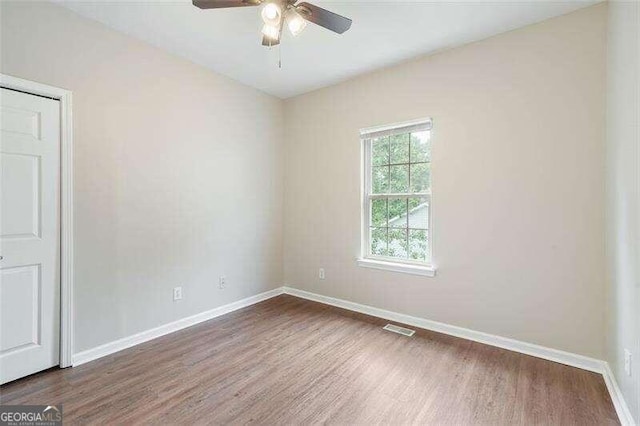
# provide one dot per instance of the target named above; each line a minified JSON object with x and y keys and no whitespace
{"x":383,"y":33}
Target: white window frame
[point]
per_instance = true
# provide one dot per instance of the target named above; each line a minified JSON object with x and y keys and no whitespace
{"x":388,"y":263}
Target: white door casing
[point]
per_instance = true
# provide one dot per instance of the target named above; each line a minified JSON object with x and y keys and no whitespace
{"x":29,"y":234}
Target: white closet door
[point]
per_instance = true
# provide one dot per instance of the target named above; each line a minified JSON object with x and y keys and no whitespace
{"x":29,"y":234}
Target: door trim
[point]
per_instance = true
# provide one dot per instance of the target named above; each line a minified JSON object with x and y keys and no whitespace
{"x":66,"y":204}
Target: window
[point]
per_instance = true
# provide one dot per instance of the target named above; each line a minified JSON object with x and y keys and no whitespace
{"x":397,"y":196}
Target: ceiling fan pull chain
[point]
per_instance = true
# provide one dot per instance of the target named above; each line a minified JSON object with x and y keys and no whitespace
{"x":280,"y":56}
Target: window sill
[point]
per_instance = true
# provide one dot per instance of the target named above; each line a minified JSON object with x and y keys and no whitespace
{"x":426,"y":270}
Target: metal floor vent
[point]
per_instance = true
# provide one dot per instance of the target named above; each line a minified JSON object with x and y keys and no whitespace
{"x":399,"y":330}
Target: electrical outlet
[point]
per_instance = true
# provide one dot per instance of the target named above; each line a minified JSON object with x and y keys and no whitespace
{"x":177,"y":293}
{"x":627,"y":362}
{"x":321,"y":273}
{"x":222,"y":282}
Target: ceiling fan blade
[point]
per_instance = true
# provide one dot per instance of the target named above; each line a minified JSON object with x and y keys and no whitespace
{"x":266,"y":41}
{"x":324,"y":18}
{"x":219,"y":4}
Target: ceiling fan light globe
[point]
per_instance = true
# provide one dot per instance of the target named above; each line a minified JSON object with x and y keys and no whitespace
{"x":271,"y":14}
{"x":271,"y":32}
{"x":295,"y":22}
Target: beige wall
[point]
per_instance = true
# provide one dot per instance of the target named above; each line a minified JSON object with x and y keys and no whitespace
{"x":518,"y":181}
{"x":176,"y":186}
{"x":178,"y":173}
{"x":623,"y":195}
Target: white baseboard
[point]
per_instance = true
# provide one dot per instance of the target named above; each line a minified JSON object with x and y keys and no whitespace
{"x":616,"y":396}
{"x":136,"y":339}
{"x":567,"y":358}
{"x":555,"y":355}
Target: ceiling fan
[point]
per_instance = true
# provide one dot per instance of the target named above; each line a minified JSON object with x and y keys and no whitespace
{"x":276,"y":12}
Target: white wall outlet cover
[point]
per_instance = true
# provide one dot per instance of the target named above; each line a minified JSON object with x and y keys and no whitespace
{"x":222,"y":282}
{"x":177,"y":293}
{"x":627,"y":362}
{"x":321,"y":273}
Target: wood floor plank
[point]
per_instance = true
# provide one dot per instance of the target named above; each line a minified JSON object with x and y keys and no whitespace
{"x":292,"y":361}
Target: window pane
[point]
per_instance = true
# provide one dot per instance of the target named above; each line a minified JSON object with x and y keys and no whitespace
{"x":399,"y":147}
{"x":380,"y":151}
{"x":420,"y":147}
{"x":399,"y":224}
{"x":379,"y":213}
{"x":379,"y":241}
{"x":418,"y":213}
{"x":398,"y":243}
{"x":420,"y":177}
{"x":418,"y":245}
{"x":398,"y":213}
{"x":380,"y":179}
{"x":399,"y":179}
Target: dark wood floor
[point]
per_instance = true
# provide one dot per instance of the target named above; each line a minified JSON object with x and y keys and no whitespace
{"x":291,"y":361}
